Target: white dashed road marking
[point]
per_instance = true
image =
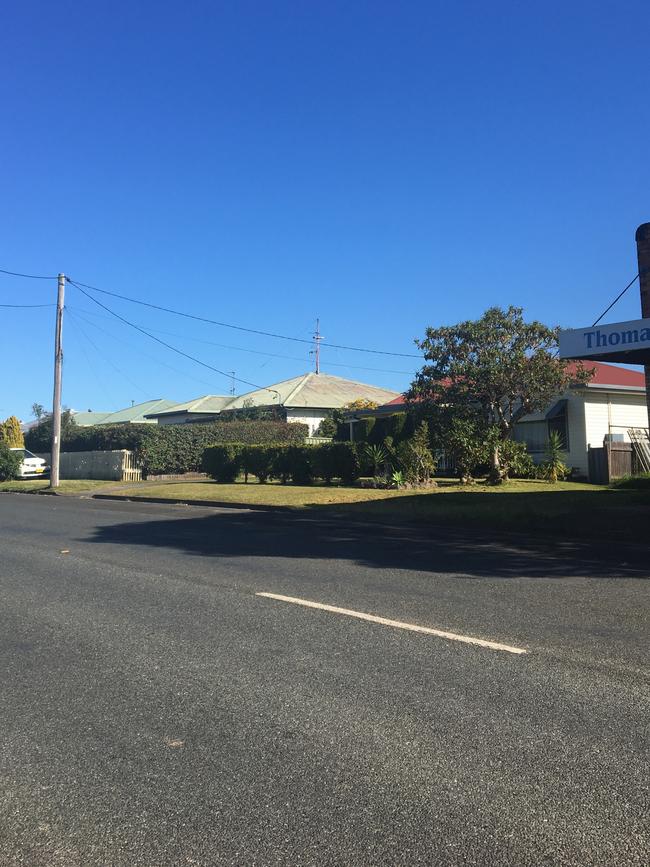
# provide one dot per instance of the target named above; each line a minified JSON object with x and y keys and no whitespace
{"x":398,"y":624}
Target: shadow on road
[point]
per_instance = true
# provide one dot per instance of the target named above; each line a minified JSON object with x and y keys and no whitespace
{"x":468,"y":553}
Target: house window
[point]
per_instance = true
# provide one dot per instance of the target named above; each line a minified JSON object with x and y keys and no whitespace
{"x":535,"y":433}
{"x":557,"y":419}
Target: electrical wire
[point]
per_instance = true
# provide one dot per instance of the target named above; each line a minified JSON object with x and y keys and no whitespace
{"x":618,"y":297}
{"x":26,"y":306}
{"x":258,"y":351}
{"x":237,"y":327}
{"x":137,"y":349}
{"x":169,"y":345}
{"x":101,"y":354}
{"x":29,"y":276}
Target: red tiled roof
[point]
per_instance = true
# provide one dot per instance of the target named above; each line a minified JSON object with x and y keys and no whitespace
{"x":611,"y":374}
{"x":604,"y":374}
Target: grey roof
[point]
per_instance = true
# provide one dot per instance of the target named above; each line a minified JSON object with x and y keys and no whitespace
{"x":208,"y":403}
{"x":312,"y":391}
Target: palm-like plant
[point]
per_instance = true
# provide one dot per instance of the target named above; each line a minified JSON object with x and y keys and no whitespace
{"x":376,"y":456}
{"x":554,"y":466}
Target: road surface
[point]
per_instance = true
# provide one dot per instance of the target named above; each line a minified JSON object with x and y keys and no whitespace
{"x":157,"y":711}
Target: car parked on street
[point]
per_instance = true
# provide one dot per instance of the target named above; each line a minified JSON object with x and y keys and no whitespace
{"x":32,"y":466}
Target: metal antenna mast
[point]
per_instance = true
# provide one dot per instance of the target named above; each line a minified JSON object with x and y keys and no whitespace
{"x":317,"y":339}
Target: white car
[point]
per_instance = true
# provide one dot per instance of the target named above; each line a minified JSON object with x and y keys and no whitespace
{"x":32,"y":466}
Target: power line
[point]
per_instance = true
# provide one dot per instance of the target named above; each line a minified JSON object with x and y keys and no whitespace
{"x":29,"y":276}
{"x":164,"y":343}
{"x":619,"y":296}
{"x":137,"y":349}
{"x":76,"y":319}
{"x":257,"y":351}
{"x":238,"y":327}
{"x":25,"y":306}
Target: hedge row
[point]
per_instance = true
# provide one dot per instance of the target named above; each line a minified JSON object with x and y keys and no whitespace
{"x":172,"y":448}
{"x":298,"y":464}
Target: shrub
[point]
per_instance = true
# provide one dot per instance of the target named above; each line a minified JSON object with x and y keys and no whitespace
{"x":327,"y":428}
{"x":337,"y":460}
{"x":415,"y":457}
{"x":300,"y":464}
{"x":260,"y":461}
{"x":10,"y":463}
{"x":345,"y":458}
{"x":515,"y":459}
{"x":11,"y":433}
{"x":223,"y":462}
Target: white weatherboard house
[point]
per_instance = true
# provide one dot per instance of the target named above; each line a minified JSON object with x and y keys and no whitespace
{"x":308,"y":399}
{"x":612,"y":402}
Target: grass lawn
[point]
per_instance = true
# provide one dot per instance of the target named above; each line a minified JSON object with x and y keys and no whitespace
{"x":564,"y":509}
{"x":67,"y":486}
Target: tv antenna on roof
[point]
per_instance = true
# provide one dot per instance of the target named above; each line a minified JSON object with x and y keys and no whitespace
{"x":317,"y":339}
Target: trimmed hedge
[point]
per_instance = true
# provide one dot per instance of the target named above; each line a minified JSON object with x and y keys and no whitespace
{"x":174,"y":448}
{"x":299,"y":464}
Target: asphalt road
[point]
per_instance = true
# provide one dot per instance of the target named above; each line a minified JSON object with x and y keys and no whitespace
{"x":156,"y":711}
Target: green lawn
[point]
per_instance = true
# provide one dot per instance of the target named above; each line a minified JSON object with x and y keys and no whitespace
{"x":68,"y":486}
{"x":564,"y":509}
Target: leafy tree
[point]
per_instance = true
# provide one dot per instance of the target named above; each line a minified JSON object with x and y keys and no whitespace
{"x":38,"y":410}
{"x":327,"y":428}
{"x":11,"y":433}
{"x":361,"y":403}
{"x":39,"y":438}
{"x":492,"y":371}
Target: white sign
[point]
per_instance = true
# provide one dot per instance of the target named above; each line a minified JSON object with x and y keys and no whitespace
{"x":605,"y":339}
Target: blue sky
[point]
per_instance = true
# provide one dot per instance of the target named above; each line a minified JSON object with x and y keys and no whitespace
{"x":384,"y":166}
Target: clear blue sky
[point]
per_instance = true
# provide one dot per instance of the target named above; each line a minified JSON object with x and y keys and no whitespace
{"x":385,"y":166}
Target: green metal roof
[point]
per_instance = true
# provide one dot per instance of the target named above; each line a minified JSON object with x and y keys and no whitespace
{"x":86,"y":419}
{"x":137,"y":413}
{"x":208,"y":403}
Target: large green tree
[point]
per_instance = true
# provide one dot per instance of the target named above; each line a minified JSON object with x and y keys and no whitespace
{"x":492,"y":372}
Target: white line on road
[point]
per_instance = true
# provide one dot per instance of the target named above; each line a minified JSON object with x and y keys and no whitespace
{"x":413,"y":627}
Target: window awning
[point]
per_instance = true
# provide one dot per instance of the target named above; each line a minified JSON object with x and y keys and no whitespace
{"x":557,"y":409}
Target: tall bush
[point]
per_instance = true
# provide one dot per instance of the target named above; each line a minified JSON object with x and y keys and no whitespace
{"x":11,"y":433}
{"x":223,"y":462}
{"x":10,"y":463}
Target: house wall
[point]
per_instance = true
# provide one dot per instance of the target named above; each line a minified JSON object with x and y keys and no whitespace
{"x":533,"y":429}
{"x":613,"y":412}
{"x":311,"y":417}
{"x":186,"y":418}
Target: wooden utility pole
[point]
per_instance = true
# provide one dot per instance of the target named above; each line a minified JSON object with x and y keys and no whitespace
{"x":643,"y":255}
{"x":56,"y":403}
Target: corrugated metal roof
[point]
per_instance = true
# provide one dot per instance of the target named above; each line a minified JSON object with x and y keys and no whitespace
{"x":86,"y":419}
{"x":206,"y":403}
{"x":312,"y":390}
{"x":138,"y":412}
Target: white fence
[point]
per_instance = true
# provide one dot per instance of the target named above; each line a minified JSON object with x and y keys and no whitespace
{"x":118,"y":466}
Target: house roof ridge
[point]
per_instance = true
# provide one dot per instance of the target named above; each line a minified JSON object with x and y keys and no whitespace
{"x":303,"y":380}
